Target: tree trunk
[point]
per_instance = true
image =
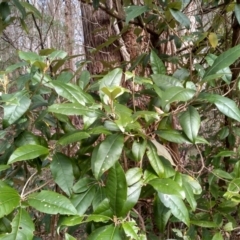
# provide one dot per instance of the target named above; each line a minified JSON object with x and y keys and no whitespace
{"x":97,"y":28}
{"x":69,"y":32}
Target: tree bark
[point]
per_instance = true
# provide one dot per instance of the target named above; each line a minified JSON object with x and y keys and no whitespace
{"x":97,"y":28}
{"x":69,"y":34}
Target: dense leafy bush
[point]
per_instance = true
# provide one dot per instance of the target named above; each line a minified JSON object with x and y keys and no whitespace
{"x":110,"y":162}
{"x":121,"y":155}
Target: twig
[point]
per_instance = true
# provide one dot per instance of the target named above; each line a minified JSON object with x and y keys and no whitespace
{"x":141,"y":220}
{"x":30,"y":178}
{"x":202,"y":160}
{"x":35,"y":189}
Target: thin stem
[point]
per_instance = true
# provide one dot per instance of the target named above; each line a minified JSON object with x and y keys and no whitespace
{"x":22,"y":194}
{"x":35,"y":189}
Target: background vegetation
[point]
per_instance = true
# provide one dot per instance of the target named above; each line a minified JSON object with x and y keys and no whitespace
{"x":119,"y":120}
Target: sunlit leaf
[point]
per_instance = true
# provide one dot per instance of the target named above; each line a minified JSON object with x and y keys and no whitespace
{"x":22,"y":227}
{"x":51,"y":203}
{"x":167,"y":186}
{"x":106,"y":155}
{"x":131,"y":229}
{"x":14,"y":109}
{"x":213,"y":39}
{"x":223,"y":60}
{"x":176,"y":94}
{"x":74,"y":109}
{"x":9,"y":199}
{"x":177,"y":207}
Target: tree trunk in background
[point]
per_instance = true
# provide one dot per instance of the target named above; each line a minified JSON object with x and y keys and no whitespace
{"x":97,"y":29}
{"x":69,"y":34}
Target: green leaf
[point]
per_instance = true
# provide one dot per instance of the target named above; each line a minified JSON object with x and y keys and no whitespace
{"x":165,"y":82}
{"x":225,"y":105}
{"x":176,"y":94}
{"x":76,"y":136}
{"x":4,"y":10}
{"x":181,"y":18}
{"x":31,"y":9}
{"x":228,"y":227}
{"x":9,"y":199}
{"x":173,"y":136}
{"x":131,"y":230}
{"x":134,"y":11}
{"x":4,"y":167}
{"x":98,"y":218}
{"x":154,"y":160}
{"x":205,"y":224}
{"x":83,"y":184}
{"x":157,"y":64}
{"x":201,"y":140}
{"x":116,"y":188}
{"x":112,"y":79}
{"x":57,"y":54}
{"x":85,"y":78}
{"x":177,"y":207}
{"x":167,"y":186}
{"x":218,"y":236}
{"x":196,"y":187}
{"x":161,"y":215}
{"x":104,"y":208}
{"x":223,"y":133}
{"x":106,"y":155}
{"x":237,"y":12}
{"x":51,"y":203}
{"x":27,"y":138}
{"x":133,"y":175}
{"x":133,"y":194}
{"x":16,"y":108}
{"x":96,"y":4}
{"x":72,"y":92}
{"x":83,"y":200}
{"x":30,"y":57}
{"x":189,"y":195}
{"x":13,"y":67}
{"x":69,"y":237}
{"x":213,"y":39}
{"x":236,"y":170}
{"x":27,"y":152}
{"x":62,"y":172}
{"x":190,"y":122}
{"x":109,"y":232}
{"x":113,"y":92}
{"x":22,"y":227}
{"x":223,"y":60}
{"x":234,"y":186}
{"x":74,"y":109}
{"x":70,"y":220}
{"x":162,"y":151}
{"x":138,"y":150}
{"x":222,"y":174}
{"x":182,"y":74}
{"x":20,"y":7}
